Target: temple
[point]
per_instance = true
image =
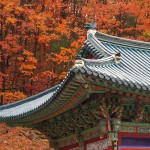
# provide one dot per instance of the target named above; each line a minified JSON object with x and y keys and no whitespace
{"x":103,"y":102}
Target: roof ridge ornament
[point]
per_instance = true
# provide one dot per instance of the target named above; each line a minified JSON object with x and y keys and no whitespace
{"x":78,"y":61}
{"x":91,"y":25}
{"x":117,"y":57}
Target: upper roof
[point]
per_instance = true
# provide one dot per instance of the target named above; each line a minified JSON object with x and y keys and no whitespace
{"x":134,"y":67}
{"x":117,"y":63}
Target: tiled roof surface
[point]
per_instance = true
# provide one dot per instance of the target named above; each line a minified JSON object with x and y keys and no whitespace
{"x":27,"y":104}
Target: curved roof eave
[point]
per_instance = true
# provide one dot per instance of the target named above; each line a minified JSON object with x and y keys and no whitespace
{"x":16,"y":111}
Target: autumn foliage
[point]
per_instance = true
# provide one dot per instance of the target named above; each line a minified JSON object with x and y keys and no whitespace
{"x":39,"y":38}
{"x":21,"y":139}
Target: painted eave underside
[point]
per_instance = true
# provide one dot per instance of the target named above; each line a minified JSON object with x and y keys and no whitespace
{"x":130,"y":73}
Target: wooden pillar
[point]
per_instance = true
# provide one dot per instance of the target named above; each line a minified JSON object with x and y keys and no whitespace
{"x":115,"y":145}
{"x":80,"y":140}
{"x":113,"y":139}
{"x":116,"y":126}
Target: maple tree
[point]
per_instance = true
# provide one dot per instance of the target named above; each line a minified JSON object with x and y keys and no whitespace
{"x":119,"y":18}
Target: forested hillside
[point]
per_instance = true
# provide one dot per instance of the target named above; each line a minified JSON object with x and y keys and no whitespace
{"x":39,"y":39}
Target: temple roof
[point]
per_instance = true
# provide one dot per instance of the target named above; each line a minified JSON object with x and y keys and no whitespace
{"x":134,"y":67}
{"x":115,"y":63}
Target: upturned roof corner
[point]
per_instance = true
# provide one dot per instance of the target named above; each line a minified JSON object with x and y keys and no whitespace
{"x":91,"y":31}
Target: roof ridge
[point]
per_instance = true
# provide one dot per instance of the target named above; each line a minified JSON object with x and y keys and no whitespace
{"x":114,"y":57}
{"x":97,"y":44}
{"x":79,"y":63}
{"x":123,"y":41}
